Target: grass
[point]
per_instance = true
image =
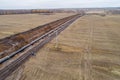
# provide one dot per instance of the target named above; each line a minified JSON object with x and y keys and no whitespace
{"x":12,"y":24}
{"x":76,"y":45}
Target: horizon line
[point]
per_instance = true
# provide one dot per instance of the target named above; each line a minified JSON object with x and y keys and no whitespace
{"x":56,"y":8}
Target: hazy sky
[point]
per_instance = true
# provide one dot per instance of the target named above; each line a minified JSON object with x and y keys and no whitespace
{"x":28,"y":4}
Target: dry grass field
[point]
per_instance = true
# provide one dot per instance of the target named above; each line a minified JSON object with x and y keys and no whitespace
{"x":89,"y":49}
{"x":12,"y":24}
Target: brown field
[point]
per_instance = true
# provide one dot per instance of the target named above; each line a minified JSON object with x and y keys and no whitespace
{"x":89,"y":49}
{"x":12,"y":24}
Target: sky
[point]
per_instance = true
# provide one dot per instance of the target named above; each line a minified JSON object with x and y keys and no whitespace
{"x":46,"y":4}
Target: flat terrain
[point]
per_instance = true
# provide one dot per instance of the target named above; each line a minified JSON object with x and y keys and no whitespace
{"x":12,"y":24}
{"x":89,"y":49}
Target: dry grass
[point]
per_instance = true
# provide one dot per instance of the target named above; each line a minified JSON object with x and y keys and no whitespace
{"x":11,"y":24}
{"x":66,"y":62}
{"x":95,"y":36}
